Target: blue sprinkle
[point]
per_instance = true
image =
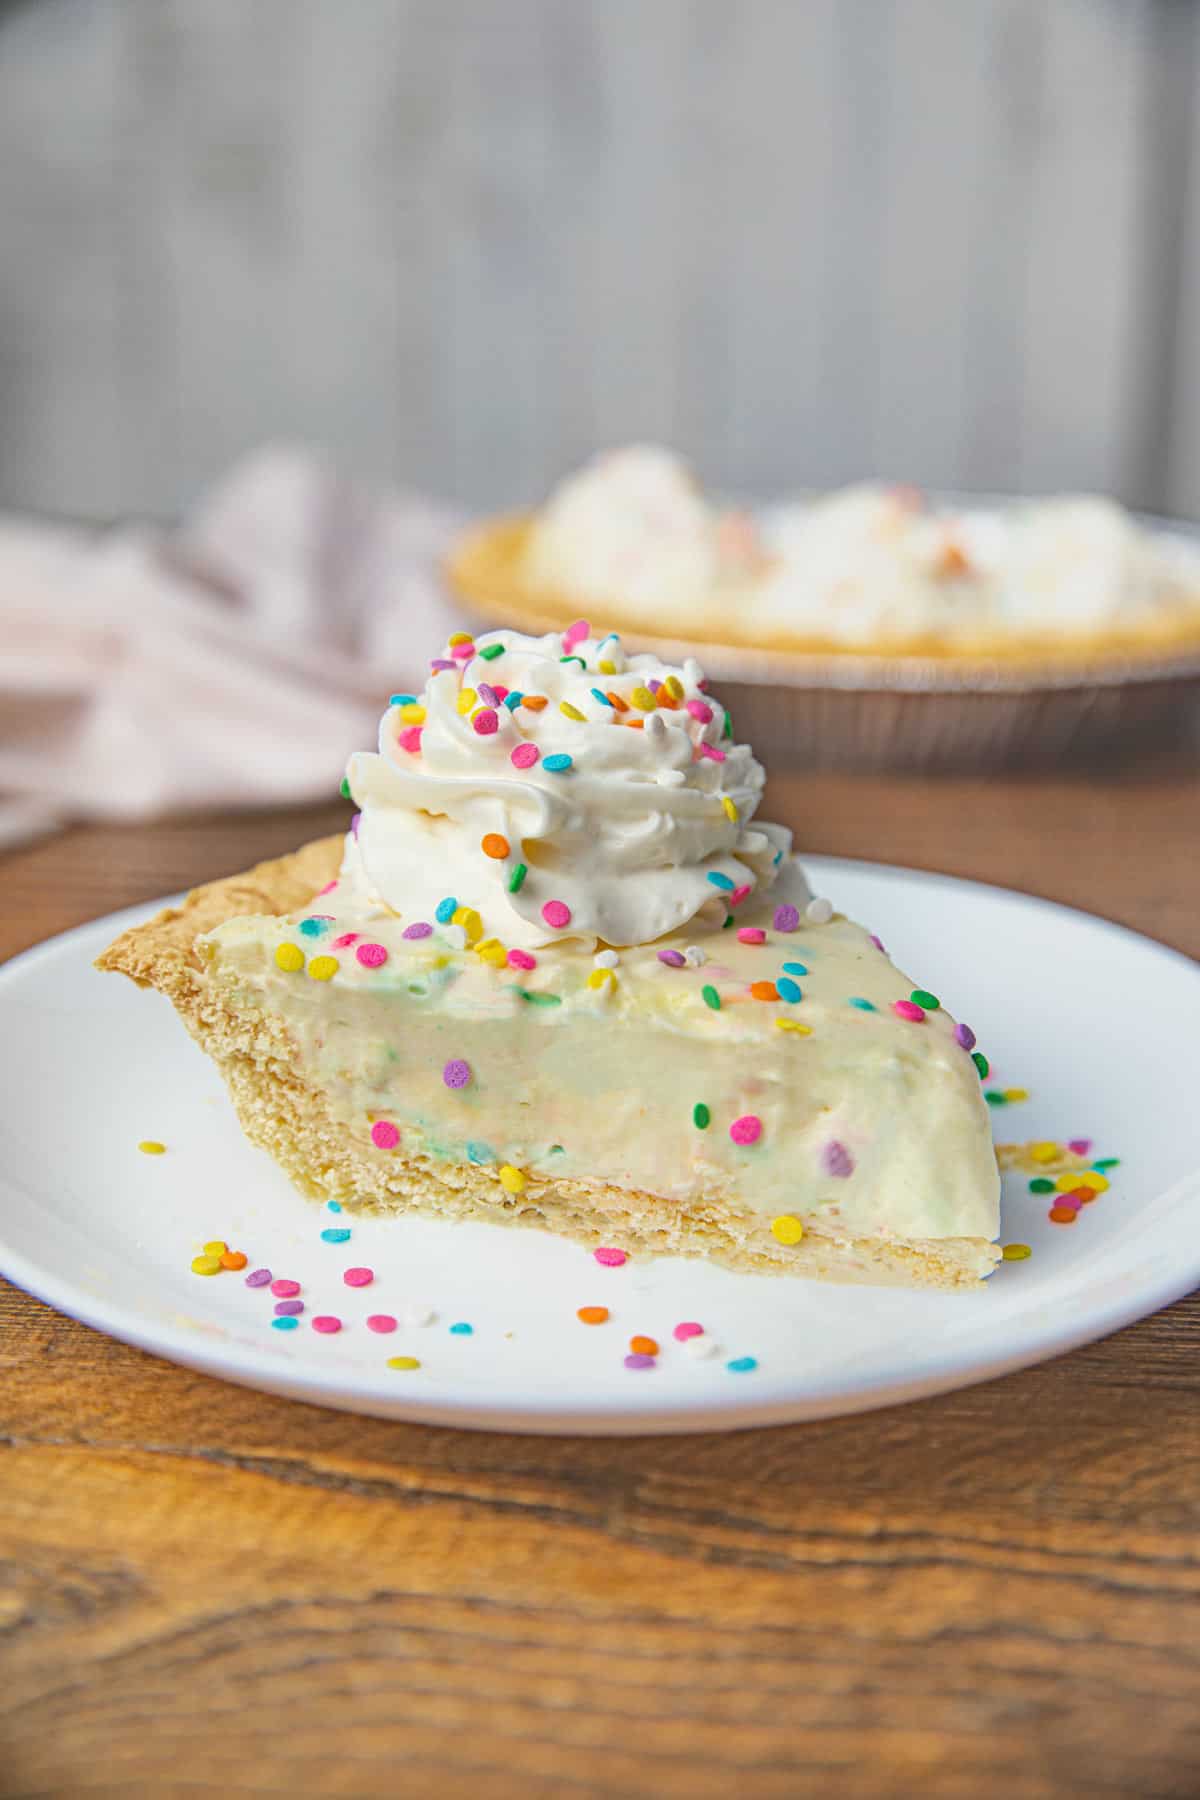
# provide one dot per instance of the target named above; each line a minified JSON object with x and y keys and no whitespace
{"x":862,"y":1005}
{"x":334,"y":1205}
{"x":794,"y":969}
{"x":480,"y":1153}
{"x":336,"y":1234}
{"x":778,"y":858}
{"x":287,"y":1323}
{"x":721,"y":881}
{"x":742,"y":1365}
{"x":402,"y":700}
{"x":445,"y":910}
{"x":556,"y":764}
{"x":512,"y":700}
{"x":314,"y":927}
{"x":601,"y":696}
{"x":462,"y":1329}
{"x":788,"y":990}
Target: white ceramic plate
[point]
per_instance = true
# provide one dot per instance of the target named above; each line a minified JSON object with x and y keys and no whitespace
{"x":1098,"y":1024}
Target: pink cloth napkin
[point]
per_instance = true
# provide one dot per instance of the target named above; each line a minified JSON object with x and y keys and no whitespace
{"x":236,"y":661}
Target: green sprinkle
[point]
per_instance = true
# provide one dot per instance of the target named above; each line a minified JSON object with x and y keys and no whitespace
{"x":922,"y":997}
{"x":578,"y":659}
{"x":700,"y":1116}
{"x":516,"y":878}
{"x":728,"y":731}
{"x":1041,"y":1185}
{"x":540,"y":999}
{"x":710,"y":996}
{"x":490,"y":652}
{"x":344,"y":790}
{"x":728,"y":921}
{"x":994,"y":1097}
{"x":1106,"y":1162}
{"x":981,"y":1063}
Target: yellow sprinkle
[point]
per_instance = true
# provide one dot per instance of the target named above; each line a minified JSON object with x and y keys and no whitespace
{"x":674,"y":687}
{"x":460,"y":637}
{"x":606,"y":667}
{"x":601,"y":978}
{"x":731,"y":811}
{"x":1044,"y":1153}
{"x":1016,"y":1252}
{"x":793,"y":1025}
{"x":643,"y":698}
{"x":1077,"y":1178}
{"x":466,"y":700}
{"x":218,"y":1247}
{"x":413,"y":713}
{"x":1013,"y":1095}
{"x":289,"y":958}
{"x":152,"y":1147}
{"x":404,"y":1362}
{"x":323,"y":968}
{"x":511,"y":1179}
{"x":469,"y":919}
{"x":492,"y":951}
{"x":570,"y":712}
{"x":787,"y":1229}
{"x":206,"y":1265}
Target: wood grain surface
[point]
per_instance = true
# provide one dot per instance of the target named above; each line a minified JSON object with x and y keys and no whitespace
{"x":994,"y":1593}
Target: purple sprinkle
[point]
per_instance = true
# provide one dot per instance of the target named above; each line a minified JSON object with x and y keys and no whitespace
{"x":456,"y":1073}
{"x":965,"y":1036}
{"x":638,"y":1361}
{"x":674,"y":959}
{"x":442,"y":662}
{"x":488,"y":694}
{"x":787,"y":918}
{"x":654,"y":686}
{"x":258,"y":1278}
{"x":876,"y":943}
{"x":837,"y":1160}
{"x":288,"y":1309}
{"x":419,"y":930}
{"x":354,"y":824}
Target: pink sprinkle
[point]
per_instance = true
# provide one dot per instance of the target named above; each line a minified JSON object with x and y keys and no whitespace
{"x":347,"y":937}
{"x":524,"y":756}
{"x":500,"y":691}
{"x":521,"y":959}
{"x":1071,"y":1200}
{"x":837,"y":1160}
{"x":751,"y":934}
{"x":258,"y":1278}
{"x":285,"y":1290}
{"x":747,"y":1129}
{"x":874,"y":940}
{"x":380,"y":1322}
{"x":486,"y":722}
{"x":711,"y":751}
{"x":1080,"y":1146}
{"x":409,"y":739}
{"x":609,"y":1258}
{"x":420,"y":928}
{"x":384,"y":1135}
{"x":740,"y":893}
{"x":688,"y":1329}
{"x":699,"y":710}
{"x":358,"y":1277}
{"x":636,"y":1360}
{"x":556,"y":914}
{"x":965,"y":1036}
{"x":327,"y":889}
{"x":674,"y":959}
{"x":372,"y":956}
{"x":908,"y":1009}
{"x":787,"y":917}
{"x":575,"y":634}
{"x":326,"y":1323}
{"x":288,"y":1309}
{"x":462,"y":652}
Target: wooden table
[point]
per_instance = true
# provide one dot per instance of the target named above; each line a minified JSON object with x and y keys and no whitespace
{"x":204,"y":1589}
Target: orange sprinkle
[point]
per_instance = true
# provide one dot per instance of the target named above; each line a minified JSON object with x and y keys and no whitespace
{"x":1084,"y":1195}
{"x":637,"y":724}
{"x":667,"y":699}
{"x":643,"y":1346}
{"x":535,"y":702}
{"x":592,"y":1315}
{"x":764,"y":990}
{"x":1063,"y":1215}
{"x":492,"y":844}
{"x":617,"y":703}
{"x":233,"y":1259}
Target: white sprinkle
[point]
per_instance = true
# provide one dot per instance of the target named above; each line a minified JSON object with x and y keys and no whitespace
{"x":655,"y":728}
{"x":456,"y":937}
{"x":606,"y":959}
{"x":419,"y":1315}
{"x":670,"y":777}
{"x":694,"y":957}
{"x":693,"y":674}
{"x":701,"y":1347}
{"x":819,"y":912}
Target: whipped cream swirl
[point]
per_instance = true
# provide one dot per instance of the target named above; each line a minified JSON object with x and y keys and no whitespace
{"x":562,"y":790}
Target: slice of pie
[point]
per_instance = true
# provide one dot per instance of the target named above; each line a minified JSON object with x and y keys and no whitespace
{"x":558,"y":974}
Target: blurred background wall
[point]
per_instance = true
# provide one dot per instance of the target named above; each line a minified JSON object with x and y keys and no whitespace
{"x":463,"y":242}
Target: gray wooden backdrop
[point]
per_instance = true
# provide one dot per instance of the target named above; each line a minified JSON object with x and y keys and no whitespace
{"x":462,"y":242}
